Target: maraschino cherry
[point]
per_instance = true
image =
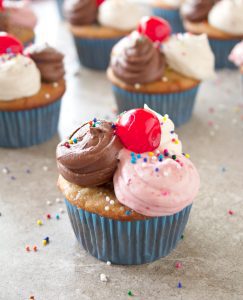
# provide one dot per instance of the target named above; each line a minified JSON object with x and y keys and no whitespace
{"x":139,"y":130}
{"x":1,"y":5}
{"x":9,"y":44}
{"x":98,"y":2}
{"x":155,"y":28}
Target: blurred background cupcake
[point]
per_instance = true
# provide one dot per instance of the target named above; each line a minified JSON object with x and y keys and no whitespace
{"x":31,"y":87}
{"x":166,"y":78}
{"x":221,"y":20}
{"x":97,"y":28}
{"x":17,"y":18}
{"x":128,"y":188}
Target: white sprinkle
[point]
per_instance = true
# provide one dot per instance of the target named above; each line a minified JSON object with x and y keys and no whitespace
{"x":166,"y":174}
{"x":48,"y":96}
{"x":61,"y":210}
{"x":108,"y":263}
{"x":107,"y":198}
{"x":112,"y":202}
{"x":49,"y":203}
{"x":58,"y":200}
{"x":45,"y":168}
{"x":107,"y":208}
{"x":154,"y":158}
{"x":122,"y":208}
{"x":137,"y":86}
{"x":103,"y":278}
{"x":164,"y":79}
{"x":5,"y":170}
{"x":55,"y":84}
{"x":144,"y":165}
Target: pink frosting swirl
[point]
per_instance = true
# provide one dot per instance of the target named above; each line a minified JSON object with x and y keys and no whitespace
{"x":155,"y":188}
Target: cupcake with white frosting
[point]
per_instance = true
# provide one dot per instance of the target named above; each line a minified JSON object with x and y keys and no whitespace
{"x":96,"y":28}
{"x":166,"y":78}
{"x":31,"y":88}
{"x":221,"y":20}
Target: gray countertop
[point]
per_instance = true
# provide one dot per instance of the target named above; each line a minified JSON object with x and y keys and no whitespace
{"x":211,"y":251}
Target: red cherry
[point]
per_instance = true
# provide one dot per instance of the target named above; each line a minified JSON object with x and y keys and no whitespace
{"x":9,"y":44}
{"x":99,"y":2}
{"x":139,"y":130}
{"x":155,"y":28}
{"x":1,"y":5}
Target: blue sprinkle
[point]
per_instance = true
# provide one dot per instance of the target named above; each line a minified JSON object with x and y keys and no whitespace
{"x":75,"y":141}
{"x":57,"y":217}
{"x":139,"y":156}
{"x":113,"y":126}
{"x":145,"y":159}
{"x":94,"y":120}
{"x":47,"y":239}
{"x":172,"y":131}
{"x":132,"y":154}
{"x":179,"y":285}
{"x":128,"y":212}
{"x":157,"y":170}
{"x":133,"y":161}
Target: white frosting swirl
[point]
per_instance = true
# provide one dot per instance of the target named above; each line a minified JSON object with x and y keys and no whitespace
{"x":227,"y":15}
{"x":19,"y":77}
{"x":121,"y":14}
{"x":236,"y":55}
{"x":190,"y":55}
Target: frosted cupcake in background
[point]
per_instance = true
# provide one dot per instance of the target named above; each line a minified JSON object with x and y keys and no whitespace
{"x":128,"y":186}
{"x":31,"y":87}
{"x":221,"y":20}
{"x":97,"y":28}
{"x":167,"y":77}
{"x":17,"y":18}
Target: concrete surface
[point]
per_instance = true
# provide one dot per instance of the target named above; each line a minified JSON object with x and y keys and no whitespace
{"x":211,"y":252}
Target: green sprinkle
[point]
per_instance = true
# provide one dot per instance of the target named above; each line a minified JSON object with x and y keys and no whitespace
{"x":130,"y":293}
{"x":173,"y":157}
{"x":182,"y":236}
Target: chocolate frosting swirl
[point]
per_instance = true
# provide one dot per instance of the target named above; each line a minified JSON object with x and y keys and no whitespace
{"x":136,"y":60}
{"x":92,"y":160}
{"x":80,"y":12}
{"x":196,"y":10}
{"x":49,"y":61}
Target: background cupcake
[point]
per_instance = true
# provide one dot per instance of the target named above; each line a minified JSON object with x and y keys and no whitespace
{"x":221,"y":20}
{"x":97,"y":28}
{"x":30,"y":92}
{"x":137,"y":221}
{"x":19,"y":20}
{"x":167,"y":79}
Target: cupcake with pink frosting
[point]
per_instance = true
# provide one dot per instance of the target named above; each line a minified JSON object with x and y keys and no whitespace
{"x":128,"y":186}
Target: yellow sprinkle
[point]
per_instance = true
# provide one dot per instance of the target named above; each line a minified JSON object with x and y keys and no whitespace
{"x":44,"y":242}
{"x":187,"y":155}
{"x":176,"y":142}
{"x":151,"y":153}
{"x":70,"y":141}
{"x":39,"y":222}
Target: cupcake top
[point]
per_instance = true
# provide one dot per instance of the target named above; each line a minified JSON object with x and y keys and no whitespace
{"x":135,"y":59}
{"x":19,"y":77}
{"x":236,"y":55}
{"x":48,"y":60}
{"x":159,"y":180}
{"x":227,"y":16}
{"x":89,"y":156}
{"x":80,"y":12}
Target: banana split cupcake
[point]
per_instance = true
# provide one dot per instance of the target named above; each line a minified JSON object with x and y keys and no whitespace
{"x":128,"y":187}
{"x":96,"y":28}
{"x":31,"y":87}
{"x":221,"y":20}
{"x":165,"y":78}
{"x":170,"y":11}
{"x":18,"y":19}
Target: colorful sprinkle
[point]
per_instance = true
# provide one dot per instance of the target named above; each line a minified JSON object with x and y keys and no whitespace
{"x":173,"y":157}
{"x":179,"y":285}
{"x":128,"y":212}
{"x":75,"y":141}
{"x":57,"y":216}
{"x":48,"y":216}
{"x":231,"y":212}
{"x":27,"y":248}
{"x":145,"y":159}
{"x":103,"y":278}
{"x":130,"y":293}
{"x":35,"y":248}
{"x":39,"y":222}
{"x":178,"y":265}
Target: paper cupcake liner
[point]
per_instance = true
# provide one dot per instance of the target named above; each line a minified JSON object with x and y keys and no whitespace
{"x":221,"y":50}
{"x":172,"y":16}
{"x":178,"y":106}
{"x":95,"y":53}
{"x":29,"y":127}
{"x":59,"y":6}
{"x":127,"y":242}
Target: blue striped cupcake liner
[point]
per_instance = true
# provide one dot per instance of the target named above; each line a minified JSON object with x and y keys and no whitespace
{"x":172,"y":16}
{"x":127,"y":242}
{"x":178,"y":106}
{"x":221,"y":50}
{"x":26,"y":128}
{"x":59,"y":7}
{"x":95,"y":53}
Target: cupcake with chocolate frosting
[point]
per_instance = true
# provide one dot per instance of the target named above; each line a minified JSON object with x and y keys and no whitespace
{"x":163,"y":76}
{"x":31,"y":87}
{"x":128,"y":187}
{"x":221,"y":20}
{"x":97,"y":26}
{"x":18,"y":19}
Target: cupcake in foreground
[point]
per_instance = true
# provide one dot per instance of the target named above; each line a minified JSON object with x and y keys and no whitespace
{"x":166,"y":77}
{"x":128,"y":186}
{"x":221,"y":20}
{"x":236,"y":57}
{"x":18,"y":19}
{"x":98,"y":25}
{"x":170,"y":11}
{"x":31,"y":87}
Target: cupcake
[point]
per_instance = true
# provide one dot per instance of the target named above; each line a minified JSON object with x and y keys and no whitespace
{"x":170,"y":11}
{"x":221,"y":20}
{"x":31,"y":87}
{"x":167,"y":78}
{"x":128,"y":187}
{"x":97,"y":28}
{"x":236,"y":57}
{"x":18,"y":19}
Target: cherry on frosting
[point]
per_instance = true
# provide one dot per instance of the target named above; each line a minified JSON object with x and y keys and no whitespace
{"x":98,"y":2}
{"x":1,"y":5}
{"x":155,"y":28}
{"x":9,"y":44}
{"x":139,"y":130}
